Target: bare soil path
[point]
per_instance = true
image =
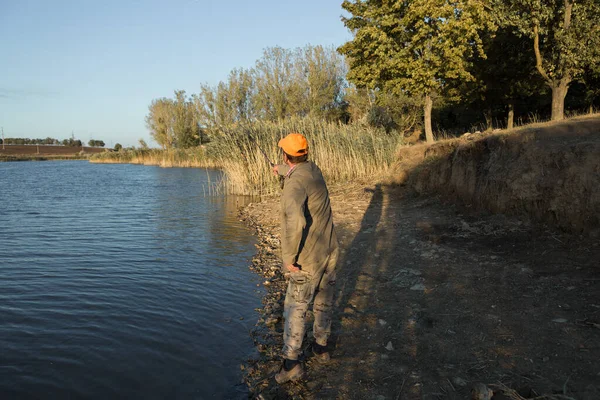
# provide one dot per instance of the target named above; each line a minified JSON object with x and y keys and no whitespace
{"x":433,"y":299}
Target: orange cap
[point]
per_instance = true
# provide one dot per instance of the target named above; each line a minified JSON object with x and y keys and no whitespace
{"x":294,"y":144}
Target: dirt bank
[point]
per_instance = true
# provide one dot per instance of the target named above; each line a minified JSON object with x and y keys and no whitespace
{"x":432,"y":300}
{"x":550,"y":172}
{"x":435,"y":297}
{"x":11,"y":152}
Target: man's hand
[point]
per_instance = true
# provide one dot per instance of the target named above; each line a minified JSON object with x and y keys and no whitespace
{"x":292,"y":268}
{"x":276,"y":170}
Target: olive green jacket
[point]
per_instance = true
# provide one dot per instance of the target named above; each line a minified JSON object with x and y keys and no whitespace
{"x":307,"y":231}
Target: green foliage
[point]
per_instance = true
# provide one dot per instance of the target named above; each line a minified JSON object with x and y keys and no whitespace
{"x":173,"y":123}
{"x":412,"y":47}
{"x":474,"y":58}
{"x":283,"y":83}
{"x":277,"y":80}
{"x":415,"y":47}
{"x":118,"y":147}
{"x":229,"y":102}
{"x":24,"y":141}
{"x":185,"y":123}
{"x":381,"y":109}
{"x":591,"y":79}
{"x":95,"y":143}
{"x":505,"y":78}
{"x":568,"y":32}
{"x":159,"y":122}
{"x":324,"y":73}
{"x":508,"y":72}
{"x":72,"y":142}
{"x":565,"y":37}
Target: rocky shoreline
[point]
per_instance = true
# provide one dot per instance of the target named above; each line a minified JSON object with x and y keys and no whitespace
{"x":267,"y":333}
{"x":435,"y":301}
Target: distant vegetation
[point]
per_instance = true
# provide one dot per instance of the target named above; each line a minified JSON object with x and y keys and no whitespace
{"x":16,"y":152}
{"x":427,"y":68}
{"x":96,"y":143}
{"x":24,"y":141}
{"x":72,"y":142}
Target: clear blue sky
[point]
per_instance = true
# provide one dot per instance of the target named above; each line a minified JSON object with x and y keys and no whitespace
{"x":92,"y":67}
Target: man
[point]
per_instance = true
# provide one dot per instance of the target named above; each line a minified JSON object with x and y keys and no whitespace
{"x":309,"y":250}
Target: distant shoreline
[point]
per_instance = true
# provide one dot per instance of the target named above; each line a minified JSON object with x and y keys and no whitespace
{"x":11,"y":152}
{"x":49,"y":157}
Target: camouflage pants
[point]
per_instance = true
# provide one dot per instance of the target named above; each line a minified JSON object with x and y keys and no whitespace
{"x":302,"y":289}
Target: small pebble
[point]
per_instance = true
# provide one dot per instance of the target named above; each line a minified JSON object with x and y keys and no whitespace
{"x":459,"y":382}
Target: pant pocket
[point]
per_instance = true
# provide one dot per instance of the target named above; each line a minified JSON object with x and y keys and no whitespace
{"x":300,"y":286}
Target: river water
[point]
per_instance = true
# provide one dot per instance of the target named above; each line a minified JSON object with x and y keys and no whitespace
{"x":122,"y":281}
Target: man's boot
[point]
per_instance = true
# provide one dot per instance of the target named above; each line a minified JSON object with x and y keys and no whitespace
{"x":291,"y":370}
{"x":320,"y":353}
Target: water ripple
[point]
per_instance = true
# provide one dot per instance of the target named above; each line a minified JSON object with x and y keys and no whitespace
{"x":121,"y":281}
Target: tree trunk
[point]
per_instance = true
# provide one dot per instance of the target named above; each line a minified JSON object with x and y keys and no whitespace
{"x":559,"y":92}
{"x":591,"y":108}
{"x":510,"y":123}
{"x":427,"y":109}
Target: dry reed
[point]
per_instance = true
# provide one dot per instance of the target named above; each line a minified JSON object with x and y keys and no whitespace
{"x":345,"y":153}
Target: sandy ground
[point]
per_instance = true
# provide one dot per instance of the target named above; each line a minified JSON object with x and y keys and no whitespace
{"x":434,"y":299}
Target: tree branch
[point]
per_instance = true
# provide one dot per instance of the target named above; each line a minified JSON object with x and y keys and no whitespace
{"x":538,"y":54}
{"x":568,"y":12}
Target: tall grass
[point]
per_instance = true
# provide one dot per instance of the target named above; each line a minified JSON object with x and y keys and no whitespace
{"x":192,"y":158}
{"x":344,"y":153}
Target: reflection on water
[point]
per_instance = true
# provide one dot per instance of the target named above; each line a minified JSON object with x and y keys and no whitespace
{"x":121,"y":281}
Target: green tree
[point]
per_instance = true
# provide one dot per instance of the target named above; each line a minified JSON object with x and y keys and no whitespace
{"x":173,"y":123}
{"x":565,"y":38}
{"x":185,"y":121}
{"x":206,"y":107}
{"x":118,"y":147}
{"x":240,"y":90}
{"x":227,"y":103}
{"x":283,"y":83}
{"x":360,"y":101}
{"x":591,"y":78}
{"x":160,"y":122}
{"x":277,"y":77}
{"x":324,"y":71}
{"x":384,"y":109}
{"x":413,"y":47}
{"x":95,"y":143}
{"x":506,"y":76}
